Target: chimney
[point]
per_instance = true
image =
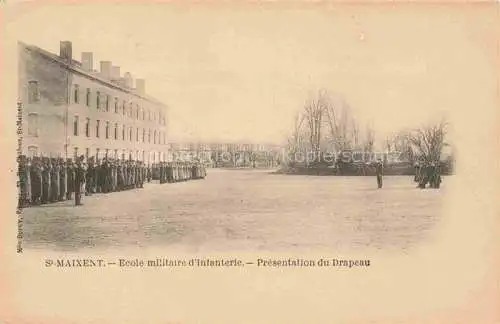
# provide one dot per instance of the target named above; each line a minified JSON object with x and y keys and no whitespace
{"x":106,"y":69}
{"x":140,"y":86}
{"x":88,"y":61}
{"x":128,"y":80}
{"x":115,"y":72}
{"x":66,"y":51}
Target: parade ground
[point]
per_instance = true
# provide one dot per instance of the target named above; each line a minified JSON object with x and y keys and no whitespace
{"x":242,"y":210}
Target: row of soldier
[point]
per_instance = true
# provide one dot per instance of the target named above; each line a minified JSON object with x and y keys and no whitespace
{"x":48,"y":180}
{"x":428,"y":173}
{"x":108,"y":175}
{"x":169,"y":172}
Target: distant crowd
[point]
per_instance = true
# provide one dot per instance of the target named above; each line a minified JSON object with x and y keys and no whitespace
{"x":49,"y":180}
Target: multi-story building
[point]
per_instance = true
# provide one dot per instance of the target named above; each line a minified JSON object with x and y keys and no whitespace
{"x":69,"y":109}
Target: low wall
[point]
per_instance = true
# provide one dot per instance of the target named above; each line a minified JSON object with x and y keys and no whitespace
{"x":397,"y":170}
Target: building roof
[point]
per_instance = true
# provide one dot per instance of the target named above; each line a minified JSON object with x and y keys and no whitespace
{"x":76,"y":67}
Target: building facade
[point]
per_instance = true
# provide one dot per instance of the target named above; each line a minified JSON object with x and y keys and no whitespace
{"x":228,"y":154}
{"x":70,"y":109}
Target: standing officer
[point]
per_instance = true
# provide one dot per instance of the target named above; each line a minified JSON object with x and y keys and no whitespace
{"x":70,"y":171}
{"x":80,"y":173}
{"x":379,"y":171}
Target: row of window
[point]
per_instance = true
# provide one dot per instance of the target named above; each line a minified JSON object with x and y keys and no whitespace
{"x":120,"y":132}
{"x":103,"y":101}
{"x":121,"y":154}
{"x":114,"y":154}
{"x":130,"y":109}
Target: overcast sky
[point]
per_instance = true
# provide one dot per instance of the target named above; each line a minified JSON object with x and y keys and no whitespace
{"x":240,"y":73}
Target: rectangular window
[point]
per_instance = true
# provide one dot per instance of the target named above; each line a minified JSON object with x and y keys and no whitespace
{"x":87,"y":127}
{"x":143,"y":135}
{"x":76,"y":94}
{"x":149,"y":136}
{"x":124,"y":107}
{"x":98,"y":100}
{"x":116,"y":131}
{"x":97,"y":128}
{"x":107,"y":130}
{"x":137,"y":112}
{"x":123,"y":133}
{"x":107,"y":103}
{"x":75,"y":125}
{"x":97,"y":153}
{"x":130,"y":107}
{"x":130,"y":134}
{"x":32,"y":151}
{"x":87,"y":98}
{"x":116,"y":105}
{"x":33,"y":124}
{"x":33,"y":92}
{"x":143,"y":114}
{"x":137,"y":135}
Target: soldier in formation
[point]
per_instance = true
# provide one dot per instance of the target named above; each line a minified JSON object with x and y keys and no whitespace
{"x":428,"y":172}
{"x":170,"y":172}
{"x":48,"y":180}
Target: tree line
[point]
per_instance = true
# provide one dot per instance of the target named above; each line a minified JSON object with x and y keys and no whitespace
{"x":326,"y":124}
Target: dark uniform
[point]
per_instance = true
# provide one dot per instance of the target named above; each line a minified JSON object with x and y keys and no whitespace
{"x":24,"y":182}
{"x":36,"y":181}
{"x":54,"y":184}
{"x":46,"y":169}
{"x":62,"y":180}
{"x":89,"y":177}
{"x":70,"y":172}
{"x":379,"y":170}
{"x":80,"y":174}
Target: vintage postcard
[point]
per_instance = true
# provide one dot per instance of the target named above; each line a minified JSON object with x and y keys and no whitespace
{"x":250,"y":162}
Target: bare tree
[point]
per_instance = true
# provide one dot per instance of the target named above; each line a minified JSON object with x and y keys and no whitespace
{"x":369,"y":140}
{"x":314,"y":111}
{"x":401,"y":144}
{"x":297,"y":137}
{"x":343,"y":130}
{"x":428,"y":141}
{"x":323,"y":125}
{"x":355,"y":132}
